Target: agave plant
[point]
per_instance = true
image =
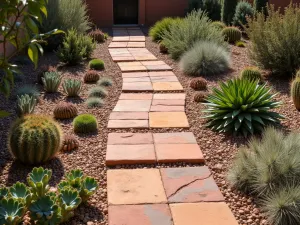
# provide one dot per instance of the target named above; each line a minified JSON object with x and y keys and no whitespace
{"x":26,"y":104}
{"x":38,"y":180}
{"x":72,"y":87}
{"x":69,"y":200}
{"x":11,"y":211}
{"x":21,"y":192}
{"x":3,"y":192}
{"x":89,"y":187}
{"x":51,"y":81}
{"x":45,"y":211}
{"x":241,"y":106}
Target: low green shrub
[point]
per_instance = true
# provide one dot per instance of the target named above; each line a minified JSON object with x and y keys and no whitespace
{"x":105,"y":81}
{"x":194,"y":28}
{"x":94,"y":102}
{"x":205,"y":58}
{"x":98,"y":91}
{"x":51,"y":81}
{"x":28,"y":135}
{"x":232,"y":34}
{"x":85,"y":123}
{"x":26,"y":105}
{"x":251,"y":73}
{"x":241,"y":106}
{"x":275,"y":40}
{"x":242,"y":12}
{"x":72,"y":87}
{"x":156,"y":32}
{"x":28,"y":89}
{"x":96,"y":64}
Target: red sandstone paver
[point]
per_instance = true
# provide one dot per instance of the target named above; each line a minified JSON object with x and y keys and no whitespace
{"x":137,"y":86}
{"x":129,"y":138}
{"x":169,"y":96}
{"x":129,"y":116}
{"x":136,"y":79}
{"x":174,"y":138}
{"x":136,"y":96}
{"x":118,"y":45}
{"x":190,"y":184}
{"x":158,"y":67}
{"x":217,"y":213}
{"x":166,"y":108}
{"x":133,"y":106}
{"x":123,"y":58}
{"x":135,"y":75}
{"x":135,"y":186}
{"x":128,"y":124}
{"x":170,"y":102}
{"x":154,"y":214}
{"x":130,"y":154}
{"x":161,"y":74}
{"x":164,"y":79}
{"x":168,"y":153}
{"x":167,"y":86}
{"x":168,"y":119}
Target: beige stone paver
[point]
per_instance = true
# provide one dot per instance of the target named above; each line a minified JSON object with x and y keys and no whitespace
{"x":151,"y":214}
{"x":213,"y":213}
{"x":169,"y":96}
{"x":168,"y":119}
{"x":133,"y":106}
{"x":167,"y":86}
{"x":124,"y":44}
{"x":116,"y":124}
{"x":137,"y":86}
{"x":135,"y":53}
{"x":135,"y":186}
{"x":127,"y":96}
{"x":141,"y":66}
{"x":129,"y":116}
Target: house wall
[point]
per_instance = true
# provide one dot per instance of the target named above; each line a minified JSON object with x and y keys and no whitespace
{"x":101,"y":12}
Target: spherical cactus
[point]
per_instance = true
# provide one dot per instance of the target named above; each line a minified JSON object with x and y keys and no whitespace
{"x":198,"y":84}
{"x":295,"y":91}
{"x":70,"y":143}
{"x":232,"y":34}
{"x":91,"y":76}
{"x":97,"y":35}
{"x":163,"y":48}
{"x":96,"y":64}
{"x":85,"y":123}
{"x":65,"y":110}
{"x":200,"y":96}
{"x":251,"y":73}
{"x":218,"y":25}
{"x":34,"y":139}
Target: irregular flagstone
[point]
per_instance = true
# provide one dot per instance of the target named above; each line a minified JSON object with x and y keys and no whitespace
{"x":129,"y":116}
{"x":154,"y":214}
{"x":190,"y":184}
{"x":174,"y":138}
{"x":138,"y":186}
{"x":217,"y":213}
{"x":128,"y":124}
{"x":129,"y":138}
{"x":133,"y":106}
{"x":168,"y":119}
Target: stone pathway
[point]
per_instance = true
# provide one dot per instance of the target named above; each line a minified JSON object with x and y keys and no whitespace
{"x":155,"y":196}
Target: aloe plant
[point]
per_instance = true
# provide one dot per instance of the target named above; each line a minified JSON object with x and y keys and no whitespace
{"x":11,"y":211}
{"x":38,"y":180}
{"x":3,"y":192}
{"x":69,"y":200}
{"x":21,"y":192}
{"x":45,"y":211}
{"x":89,"y":187}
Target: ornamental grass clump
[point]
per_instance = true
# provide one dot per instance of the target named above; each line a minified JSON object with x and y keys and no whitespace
{"x":241,"y":106}
{"x":98,"y":91}
{"x":205,"y":58}
{"x":160,"y":27}
{"x":94,"y":102}
{"x":105,"y":81}
{"x":194,"y":28}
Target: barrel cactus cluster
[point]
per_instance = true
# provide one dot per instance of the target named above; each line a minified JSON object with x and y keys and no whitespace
{"x":34,"y":139}
{"x":65,"y":110}
{"x":295,"y":91}
{"x":232,"y":34}
{"x":70,"y":143}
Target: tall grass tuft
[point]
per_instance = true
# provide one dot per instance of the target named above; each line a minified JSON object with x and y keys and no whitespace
{"x":157,"y":30}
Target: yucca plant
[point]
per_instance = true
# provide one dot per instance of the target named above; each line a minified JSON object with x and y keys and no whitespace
{"x":72,"y":87}
{"x":11,"y":211}
{"x":51,"y":81}
{"x":241,"y":106}
{"x":38,"y":181}
{"x":26,"y":104}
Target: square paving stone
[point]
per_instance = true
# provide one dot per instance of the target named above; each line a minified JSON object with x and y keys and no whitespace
{"x":136,"y":96}
{"x":217,"y":213}
{"x":168,"y":119}
{"x":129,"y":116}
{"x":136,"y":44}
{"x":167,"y":86}
{"x":164,"y":79}
{"x":136,"y":79}
{"x":129,"y":138}
{"x":169,"y":96}
{"x":190,"y":184}
{"x":137,"y":86}
{"x":175,"y":138}
{"x":128,"y":124}
{"x":167,"y":108}
{"x":154,"y":214}
{"x":168,"y":153}
{"x":161,"y":74}
{"x":169,"y":102}
{"x":118,"y":45}
{"x":135,"y":75}
{"x":133,"y":106}
{"x":135,"y":186}
{"x":130,"y":154}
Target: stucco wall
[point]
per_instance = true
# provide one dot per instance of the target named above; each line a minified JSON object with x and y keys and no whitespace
{"x":101,"y":12}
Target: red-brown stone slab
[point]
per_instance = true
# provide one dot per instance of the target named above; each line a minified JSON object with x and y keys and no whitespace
{"x":190,"y":184}
{"x":129,"y":116}
{"x":133,"y":106}
{"x":122,"y":58}
{"x":136,"y":79}
{"x":137,"y":86}
{"x":169,"y":96}
{"x":135,"y":74}
{"x":168,"y":119}
{"x":168,"y":153}
{"x":135,"y":186}
{"x":170,"y":102}
{"x":175,"y":138}
{"x":167,"y":108}
{"x":136,"y":96}
{"x":212,"y":213}
{"x":161,"y":74}
{"x":128,"y":124}
{"x":130,"y":154}
{"x":167,"y":86}
{"x":129,"y":138}
{"x":154,"y":214}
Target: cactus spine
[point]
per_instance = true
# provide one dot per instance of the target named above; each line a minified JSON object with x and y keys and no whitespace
{"x":34,"y":139}
{"x":232,"y":34}
{"x":295,"y":91}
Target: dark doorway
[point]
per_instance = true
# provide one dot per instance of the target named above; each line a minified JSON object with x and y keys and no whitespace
{"x":126,"y":11}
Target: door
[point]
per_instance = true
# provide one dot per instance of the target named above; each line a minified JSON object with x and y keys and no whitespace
{"x":126,"y":11}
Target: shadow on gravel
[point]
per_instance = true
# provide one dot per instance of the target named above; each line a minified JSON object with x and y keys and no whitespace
{"x":92,"y":213}
{"x":280,"y":84}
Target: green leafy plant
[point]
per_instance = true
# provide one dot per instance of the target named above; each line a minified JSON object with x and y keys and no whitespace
{"x":28,"y":89}
{"x":157,"y":30}
{"x":85,"y":123}
{"x":28,"y":135}
{"x":98,"y":91}
{"x":242,"y":12}
{"x":38,"y":181}
{"x":21,"y":192}
{"x":105,"y":81}
{"x":51,"y":81}
{"x":26,"y":105}
{"x":295,"y":90}
{"x":194,"y":28}
{"x":241,"y":106}
{"x":94,"y":102}
{"x":65,"y":110}
{"x":96,"y":64}
{"x":227,"y":12}
{"x":11,"y":211}
{"x":251,"y":73}
{"x":205,"y":58}
{"x":198,"y":83}
{"x":91,"y":76}
{"x":72,"y":87}
{"x":274,"y":40}
{"x":232,"y":34}
{"x":69,"y":201}
{"x":98,"y":35}
{"x":3,"y":192}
